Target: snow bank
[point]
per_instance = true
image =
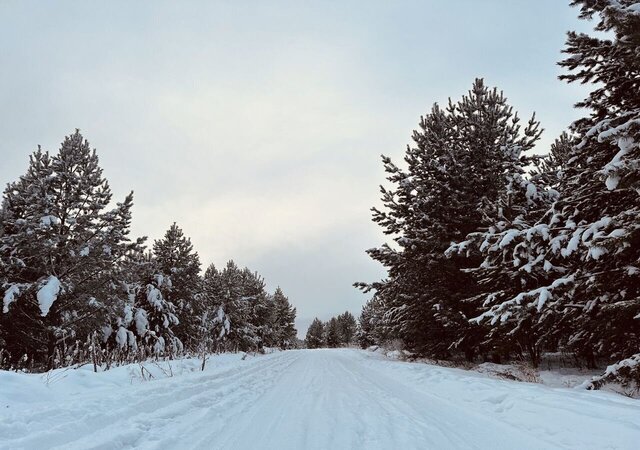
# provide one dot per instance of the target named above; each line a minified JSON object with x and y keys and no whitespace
{"x":19,"y":390}
{"x":561,"y":377}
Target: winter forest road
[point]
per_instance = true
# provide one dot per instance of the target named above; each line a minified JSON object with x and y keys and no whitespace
{"x":327,"y":399}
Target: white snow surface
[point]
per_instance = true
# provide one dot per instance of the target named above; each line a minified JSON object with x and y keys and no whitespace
{"x":304,"y":399}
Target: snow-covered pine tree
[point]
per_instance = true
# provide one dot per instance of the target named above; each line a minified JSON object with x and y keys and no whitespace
{"x":585,"y":249}
{"x":214,"y":328}
{"x":119,"y":336}
{"x":175,"y":258}
{"x":600,"y":200}
{"x":155,"y":317}
{"x":283,"y":320}
{"x":259,"y":307}
{"x":346,"y":327}
{"x":510,"y":267}
{"x":239,"y":310}
{"x":215,"y":332}
{"x":58,"y":250}
{"x":455,"y":172}
{"x":370,"y":323}
{"x":332,"y":333}
{"x":256,"y":318}
{"x":315,"y":334}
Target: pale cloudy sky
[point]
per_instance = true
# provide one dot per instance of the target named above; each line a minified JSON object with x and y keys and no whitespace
{"x":257,"y":125}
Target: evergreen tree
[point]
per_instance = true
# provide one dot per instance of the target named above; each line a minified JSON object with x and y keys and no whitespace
{"x":315,"y":334}
{"x":259,"y":305}
{"x":346,"y":327}
{"x":214,"y":332}
{"x":509,"y":268}
{"x":176,"y":259}
{"x":463,"y":159}
{"x":600,"y":203}
{"x":240,"y":290}
{"x":59,"y":248}
{"x":581,"y":254}
{"x":154,"y":318}
{"x":284,"y":316}
{"x":370,"y":324}
{"x":134,"y":271}
{"x":332,"y":333}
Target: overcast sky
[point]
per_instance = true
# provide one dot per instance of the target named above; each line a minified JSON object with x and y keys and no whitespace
{"x":257,"y":125}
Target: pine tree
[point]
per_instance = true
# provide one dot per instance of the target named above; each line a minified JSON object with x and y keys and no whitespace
{"x":238,"y":290}
{"x":581,"y":254}
{"x":58,"y":250}
{"x":155,"y":316}
{"x":259,"y":307}
{"x":315,"y":334}
{"x":215,"y":324}
{"x":332,"y":333}
{"x":374,"y":326}
{"x":510,"y":267}
{"x":176,"y":259}
{"x":346,"y":327}
{"x":134,"y":271}
{"x":284,"y":316}
{"x":462,"y":160}
{"x":600,"y":203}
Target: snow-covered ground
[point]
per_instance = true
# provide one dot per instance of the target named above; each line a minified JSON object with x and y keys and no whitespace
{"x":305,"y":399}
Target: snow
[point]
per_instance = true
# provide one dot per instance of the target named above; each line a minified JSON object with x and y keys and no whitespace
{"x":121,"y":337}
{"x":613,"y":370}
{"x":612,"y":181}
{"x":10,"y":296}
{"x":48,"y":294}
{"x":509,"y":236}
{"x":595,"y":227}
{"x":154,"y":297}
{"x":532,"y":192}
{"x":128,"y":315}
{"x":597,"y":251}
{"x":542,"y":298}
{"x":142,"y":323}
{"x":49,"y":220}
{"x":311,"y":399}
{"x":159,"y":345}
{"x":572,"y":246}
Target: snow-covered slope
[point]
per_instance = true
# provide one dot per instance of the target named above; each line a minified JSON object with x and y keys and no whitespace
{"x":307,"y":399}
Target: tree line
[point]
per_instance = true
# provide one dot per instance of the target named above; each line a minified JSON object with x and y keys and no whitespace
{"x":339,"y":331}
{"x":498,"y":252}
{"x":77,"y":287}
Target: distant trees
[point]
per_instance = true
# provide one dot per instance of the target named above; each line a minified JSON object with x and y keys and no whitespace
{"x":347,"y":327}
{"x":499,"y":252}
{"x":75,"y":286}
{"x":283,"y":321}
{"x":332,"y":333}
{"x":315,"y":337}
{"x":338,"y":331}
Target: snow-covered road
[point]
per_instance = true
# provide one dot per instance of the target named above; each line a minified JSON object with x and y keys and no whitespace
{"x":309,"y":399}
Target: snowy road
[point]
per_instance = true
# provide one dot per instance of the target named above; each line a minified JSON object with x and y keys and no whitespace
{"x":310,"y":399}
